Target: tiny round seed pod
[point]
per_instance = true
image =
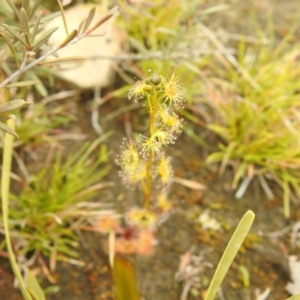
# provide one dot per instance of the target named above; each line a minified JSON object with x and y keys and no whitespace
{"x":148,"y":88}
{"x":156,"y":79}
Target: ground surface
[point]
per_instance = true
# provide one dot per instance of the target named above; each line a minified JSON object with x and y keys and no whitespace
{"x":262,"y":255}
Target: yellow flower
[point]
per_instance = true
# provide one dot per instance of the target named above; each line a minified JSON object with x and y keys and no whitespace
{"x":164,"y":170}
{"x":129,"y":157}
{"x":173,"y":91}
{"x":154,"y":143}
{"x":139,"y":90}
{"x":133,"y":168}
{"x":170,"y":121}
{"x":141,"y":218}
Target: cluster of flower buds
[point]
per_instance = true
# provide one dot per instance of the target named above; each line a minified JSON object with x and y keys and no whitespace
{"x":143,"y":161}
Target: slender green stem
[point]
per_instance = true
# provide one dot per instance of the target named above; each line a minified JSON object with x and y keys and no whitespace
{"x":6,"y":168}
{"x":152,"y":114}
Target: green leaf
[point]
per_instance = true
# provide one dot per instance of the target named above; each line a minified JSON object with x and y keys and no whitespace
{"x":33,"y":287}
{"x":61,"y":8}
{"x":36,"y":26}
{"x":13,"y":7}
{"x":12,"y":105}
{"x":37,"y":4}
{"x":125,"y":280}
{"x":89,"y":19}
{"x":14,"y":33}
{"x":23,"y":83}
{"x":229,"y":253}
{"x":7,"y":129}
{"x":5,"y":187}
{"x":43,"y":38}
{"x":79,"y":30}
{"x":24,"y":20}
{"x":69,"y":38}
{"x":12,"y":49}
{"x":100,"y":22}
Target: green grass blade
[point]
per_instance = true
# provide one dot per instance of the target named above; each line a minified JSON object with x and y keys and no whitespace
{"x":229,"y":253}
{"x":5,"y":183}
{"x":295,"y":297}
{"x":33,"y":287}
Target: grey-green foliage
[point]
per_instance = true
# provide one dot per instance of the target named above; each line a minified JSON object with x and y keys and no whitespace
{"x":24,"y":47}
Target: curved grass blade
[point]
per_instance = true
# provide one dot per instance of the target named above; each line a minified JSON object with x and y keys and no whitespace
{"x":229,"y":253}
{"x":7,"y":129}
{"x":5,"y":184}
{"x":33,"y":287}
{"x":23,"y":83}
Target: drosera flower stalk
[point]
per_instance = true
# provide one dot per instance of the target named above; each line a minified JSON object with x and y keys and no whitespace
{"x":143,"y":161}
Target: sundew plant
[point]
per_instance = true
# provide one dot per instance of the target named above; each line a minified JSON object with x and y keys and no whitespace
{"x":143,"y":160}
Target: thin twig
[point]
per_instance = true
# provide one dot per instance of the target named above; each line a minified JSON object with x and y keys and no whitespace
{"x":23,"y":69}
{"x":158,"y":55}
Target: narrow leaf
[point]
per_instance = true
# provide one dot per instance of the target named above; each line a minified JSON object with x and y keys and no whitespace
{"x":24,"y":20}
{"x":36,"y":5}
{"x":13,"y":7}
{"x":12,"y":49}
{"x":68,"y":39}
{"x":12,"y":105}
{"x":5,"y":189}
{"x":125,"y":280}
{"x":48,"y":18}
{"x":33,"y":287}
{"x":79,"y":30}
{"x":23,"y":83}
{"x":100,"y":22}
{"x":63,"y":16}
{"x":89,"y":19}
{"x":7,"y":129}
{"x":36,"y":26}
{"x":14,"y":33}
{"x":27,"y":38}
{"x":229,"y":253}
{"x":43,"y":38}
